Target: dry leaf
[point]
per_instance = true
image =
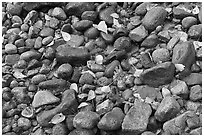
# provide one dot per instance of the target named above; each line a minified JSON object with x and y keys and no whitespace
{"x":83,"y":104}
{"x":74,"y":86}
{"x":66,"y":36}
{"x":180,"y":67}
{"x":58,"y":118}
{"x":91,"y":95}
{"x":102,"y":27}
{"x":138,"y":72}
{"x":18,"y":74}
{"x":196,"y":10}
{"x":114,"y":15}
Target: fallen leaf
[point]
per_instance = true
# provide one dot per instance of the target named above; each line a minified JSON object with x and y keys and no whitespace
{"x":138,"y":72}
{"x":91,"y":95}
{"x":66,"y":36}
{"x":74,"y":86}
{"x":58,"y":118}
{"x":18,"y":74}
{"x":114,"y":15}
{"x":180,"y":67}
{"x":196,"y":10}
{"x":102,"y":27}
{"x":83,"y":104}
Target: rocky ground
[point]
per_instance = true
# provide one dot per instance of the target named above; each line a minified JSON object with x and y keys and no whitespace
{"x":102,"y":68}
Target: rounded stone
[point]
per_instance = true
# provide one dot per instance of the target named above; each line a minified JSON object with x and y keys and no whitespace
{"x":91,"y":33}
{"x":38,"y":78}
{"x":161,"y":55}
{"x":65,"y":71}
{"x":10,"y":49}
{"x":24,"y":123}
{"x":59,"y":129}
{"x":59,"y":13}
{"x":187,"y":22}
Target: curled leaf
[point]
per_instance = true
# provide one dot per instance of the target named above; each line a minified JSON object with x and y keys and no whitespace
{"x":180,"y":67}
{"x":102,"y":26}
{"x":91,"y":95}
{"x":58,"y":118}
{"x":66,"y":36}
{"x":18,"y":74}
{"x":83,"y":104}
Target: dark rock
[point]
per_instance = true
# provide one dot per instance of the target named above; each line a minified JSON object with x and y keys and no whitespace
{"x":77,"y":8}
{"x":122,"y":43}
{"x":154,"y":18}
{"x":65,"y":71}
{"x":12,"y":59}
{"x":89,"y":15}
{"x":91,"y":33}
{"x":150,"y":42}
{"x":146,"y":60}
{"x":76,"y":75}
{"x":195,"y":93}
{"x":179,"y":13}
{"x":81,"y":132}
{"x":86,"y":78}
{"x":110,"y":68}
{"x":167,"y":109}
{"x":136,"y":119}
{"x":187,"y":22}
{"x":29,"y":55}
{"x":158,"y":75}
{"x":195,"y":31}
{"x":59,"y":13}
{"x":184,"y":53}
{"x":112,"y":120}
{"x":86,"y":120}
{"x":28,"y":6}
{"x":141,"y":9}
{"x":69,"y":122}
{"x":82,"y":25}
{"x":193,"y":79}
{"x":66,"y":54}
{"x":200,"y":15}
{"x":108,"y":38}
{"x":105,"y":15}
{"x":138,"y":34}
{"x":59,"y":129}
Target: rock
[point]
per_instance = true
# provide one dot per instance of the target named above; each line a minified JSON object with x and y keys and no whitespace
{"x":159,"y":75}
{"x":184,"y":53}
{"x":16,"y":19}
{"x":193,"y":79}
{"x":172,"y":42}
{"x":72,"y":55}
{"x":20,"y":94}
{"x":10,"y":49}
{"x":164,"y":35}
{"x":91,"y":33}
{"x":197,"y":131}
{"x":126,"y":94}
{"x":24,"y":123}
{"x":44,"y":97}
{"x":14,"y":9}
{"x":193,"y":122}
{"x":122,"y":43}
{"x":195,"y":93}
{"x":69,"y":122}
{"x":86,"y":78}
{"x":49,"y":53}
{"x":38,"y":43}
{"x":12,"y":59}
{"x":59,"y":129}
{"x":110,"y":68}
{"x":77,"y":8}
{"x":81,"y":132}
{"x":141,"y":9}
{"x":150,"y":42}
{"x":200,"y":15}
{"x":46,"y":32}
{"x":146,"y":91}
{"x":187,"y":22}
{"x":136,"y":119}
{"x":195,"y":31}
{"x":146,"y":60}
{"x":178,"y":87}
{"x":55,"y":85}
{"x":19,"y":43}
{"x":104,"y":107}
{"x":75,"y":41}
{"x":29,"y":55}
{"x":108,"y":38}
{"x":112,"y":120}
{"x":105,"y":15}
{"x":154,"y":18}
{"x":193,"y":106}
{"x":86,"y":120}
{"x":148,"y":133}
{"x":177,"y":125}
{"x":138,"y":34}
{"x":28,"y":6}
{"x":38,"y":78}
{"x":160,"y":55}
{"x":167,"y":109}
{"x":53,"y":23}
{"x":65,"y":71}
{"x":89,"y":15}
{"x":82,"y":25}
{"x":179,"y":13}
{"x":59,"y":13}
{"x":47,"y":40}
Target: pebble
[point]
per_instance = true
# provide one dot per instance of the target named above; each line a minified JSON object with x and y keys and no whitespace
{"x":172,"y":42}
{"x":49,"y":53}
{"x":46,"y":32}
{"x":150,"y":41}
{"x":66,"y":28}
{"x":24,"y":123}
{"x":160,"y":55}
{"x":38,"y":43}
{"x":65,"y":71}
{"x":82,"y":25}
{"x":16,"y":19}
{"x":141,"y":9}
{"x":81,"y":132}
{"x":19,"y":43}
{"x":76,"y":41}
{"x":112,"y":120}
{"x":24,"y":27}
{"x":193,"y":79}
{"x":20,"y":94}
{"x":105,"y":15}
{"x":197,"y":131}
{"x":89,"y":15}
{"x":59,"y":13}
{"x":53,"y":23}
{"x":151,"y":76}
{"x":29,"y":55}
{"x":104,"y":107}
{"x":195,"y":31}
{"x":110,"y":68}
{"x":59,"y":129}
{"x":167,"y":109}
{"x":179,"y":13}
{"x":86,"y":120}
{"x":38,"y":78}
{"x":91,"y":33}
{"x":193,"y":106}
{"x":195,"y":93}
{"x":69,"y":122}
{"x":47,"y":40}
{"x":136,"y":119}
{"x":187,"y":22}
{"x":180,"y":88}
{"x":154,"y":18}
{"x":122,"y":43}
{"x":14,"y":9}
{"x":146,"y":91}
{"x":86,"y":78}
{"x":138,"y":34}
{"x":10,"y":49}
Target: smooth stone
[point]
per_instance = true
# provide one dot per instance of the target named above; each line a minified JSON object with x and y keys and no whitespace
{"x":10,"y":49}
{"x":138,"y":34}
{"x":161,"y":55}
{"x":29,"y":55}
{"x":179,"y":88}
{"x":150,"y":42}
{"x":187,"y":22}
{"x":110,"y":68}
{"x":46,"y":32}
{"x":12,"y":59}
{"x":195,"y":31}
{"x":89,"y":15}
{"x":105,"y":15}
{"x":193,"y":79}
{"x":195,"y":93}
{"x":59,"y":13}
